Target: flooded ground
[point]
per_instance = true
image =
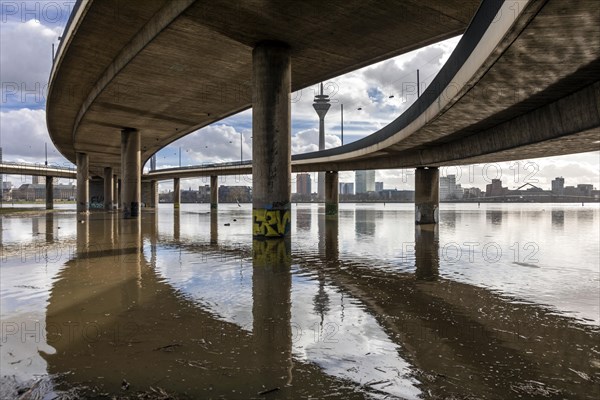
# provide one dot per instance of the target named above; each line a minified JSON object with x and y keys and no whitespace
{"x":498,"y":301}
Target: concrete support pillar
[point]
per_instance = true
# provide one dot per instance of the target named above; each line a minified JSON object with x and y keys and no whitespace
{"x":49,"y":193}
{"x":116,"y":195}
{"x":108,"y":189}
{"x":153,"y":203}
{"x":131,"y":173}
{"x":214,"y":192}
{"x":427,"y":195}
{"x":321,"y":186}
{"x":332,"y":197}
{"x":176,"y":193}
{"x":83,"y":184}
{"x":271,"y":151}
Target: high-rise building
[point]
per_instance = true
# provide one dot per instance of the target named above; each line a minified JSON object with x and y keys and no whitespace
{"x":364,"y":181}
{"x":346,"y":188}
{"x":378,"y":186}
{"x":35,"y":179}
{"x":449,"y":190}
{"x":558,"y":186}
{"x":495,"y":189}
{"x":303,"y":184}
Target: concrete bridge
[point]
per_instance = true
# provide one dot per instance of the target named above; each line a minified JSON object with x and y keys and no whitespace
{"x":128,"y":82}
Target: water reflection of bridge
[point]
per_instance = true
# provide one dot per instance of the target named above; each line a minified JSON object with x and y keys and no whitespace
{"x":110,"y":301}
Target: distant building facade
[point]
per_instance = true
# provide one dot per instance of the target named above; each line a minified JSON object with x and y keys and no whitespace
{"x":33,"y":192}
{"x":303,"y":184}
{"x":558,"y":186}
{"x":346,"y":188}
{"x":364,"y":181}
{"x":378,"y":186}
{"x":449,"y":190}
{"x":495,"y":189}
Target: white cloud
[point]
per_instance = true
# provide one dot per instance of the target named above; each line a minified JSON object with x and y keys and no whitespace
{"x":24,"y":136}
{"x":26,"y":61}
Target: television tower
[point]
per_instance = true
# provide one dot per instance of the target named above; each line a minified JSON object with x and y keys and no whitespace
{"x":321,"y":106}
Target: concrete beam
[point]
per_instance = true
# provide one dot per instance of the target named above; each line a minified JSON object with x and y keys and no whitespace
{"x":271,"y":150}
{"x":131,"y":165}
{"x":427,"y":195}
{"x":83,"y":184}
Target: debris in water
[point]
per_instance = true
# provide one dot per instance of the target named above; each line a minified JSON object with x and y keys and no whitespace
{"x":268,"y":391}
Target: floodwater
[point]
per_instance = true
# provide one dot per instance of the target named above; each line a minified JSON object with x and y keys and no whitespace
{"x":498,"y":301}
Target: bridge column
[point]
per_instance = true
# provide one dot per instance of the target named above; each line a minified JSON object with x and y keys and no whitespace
{"x":427,"y":195}
{"x":214,"y":192}
{"x":176,"y":193}
{"x":108,"y":189}
{"x":131,"y":173}
{"x":83,"y":184}
{"x":271,"y":151}
{"x":153,"y":194}
{"x":331,"y":194}
{"x":49,"y":193}
{"x":116,"y":196}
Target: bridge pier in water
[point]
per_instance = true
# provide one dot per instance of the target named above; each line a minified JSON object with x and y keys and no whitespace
{"x":83,"y":184}
{"x":427,"y":195}
{"x":271,"y":152}
{"x":149,"y":194}
{"x":176,"y":193}
{"x":332,"y":196}
{"x":131,"y":170}
{"x":116,"y":191}
{"x":108,"y":189}
{"x":49,"y":193}
{"x":214,"y":192}
{"x":153,"y":203}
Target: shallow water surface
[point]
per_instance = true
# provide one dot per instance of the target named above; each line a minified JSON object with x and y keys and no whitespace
{"x":498,"y":301}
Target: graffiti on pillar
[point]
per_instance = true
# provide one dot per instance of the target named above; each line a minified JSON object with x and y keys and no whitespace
{"x":270,"y":223}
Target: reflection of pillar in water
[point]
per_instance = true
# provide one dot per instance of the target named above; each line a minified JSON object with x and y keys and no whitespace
{"x":35,"y":226}
{"x":321,"y":233}
{"x":109,"y":229}
{"x":83,"y":235}
{"x":49,"y":228}
{"x":558,"y":218}
{"x":130,"y":247}
{"x":271,"y":310}
{"x":152,"y":234}
{"x":176,"y":223}
{"x":427,"y":257}
{"x":332,"y":239}
{"x":214,"y":226}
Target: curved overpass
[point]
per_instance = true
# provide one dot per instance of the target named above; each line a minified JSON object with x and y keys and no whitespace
{"x":486,"y":104}
{"x":168,"y":68}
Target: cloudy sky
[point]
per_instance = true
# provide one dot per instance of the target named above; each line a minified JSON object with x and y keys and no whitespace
{"x":28,"y":30}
